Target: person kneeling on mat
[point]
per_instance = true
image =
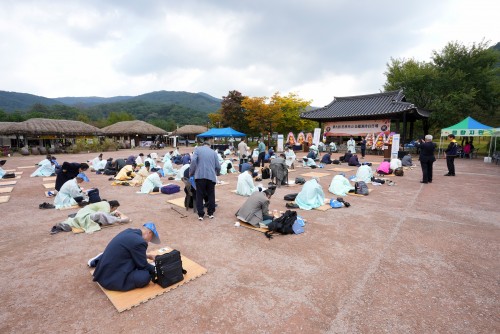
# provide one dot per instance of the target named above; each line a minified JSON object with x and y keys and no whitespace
{"x":123,"y":265}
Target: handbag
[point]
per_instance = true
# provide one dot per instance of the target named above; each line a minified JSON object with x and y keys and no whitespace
{"x":169,"y":269}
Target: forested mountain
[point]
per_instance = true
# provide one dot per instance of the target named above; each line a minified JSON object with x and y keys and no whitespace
{"x":163,"y":109}
{"x":12,"y":101}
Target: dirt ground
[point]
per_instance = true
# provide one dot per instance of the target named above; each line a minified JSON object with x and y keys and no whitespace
{"x":412,"y":258}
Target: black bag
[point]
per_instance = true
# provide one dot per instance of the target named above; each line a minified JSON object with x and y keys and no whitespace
{"x":266,"y":173}
{"x":290,"y":197}
{"x":170,"y":189}
{"x":94,"y":195}
{"x":336,"y":162}
{"x":399,"y":171}
{"x":283,"y":224}
{"x":9,"y":176}
{"x":361,"y":188}
{"x":300,"y":180}
{"x":169,"y":269}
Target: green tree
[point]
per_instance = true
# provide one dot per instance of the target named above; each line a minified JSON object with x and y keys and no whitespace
{"x":291,"y":106}
{"x":115,"y":117}
{"x":459,"y":81}
{"x":232,"y":114}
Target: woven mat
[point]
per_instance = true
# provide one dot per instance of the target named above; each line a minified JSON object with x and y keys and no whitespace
{"x":18,"y":173}
{"x":340,"y":169}
{"x":69,"y":207}
{"x":10,"y":171}
{"x":50,"y":178}
{"x":180,"y":201}
{"x":5,"y":190}
{"x":125,"y":300}
{"x":4,"y":199}
{"x":27,"y":166}
{"x":315,"y":174}
{"x":49,"y":185}
{"x":359,"y":195}
{"x":8,"y":183}
{"x":77,"y":230}
{"x":251,"y":227}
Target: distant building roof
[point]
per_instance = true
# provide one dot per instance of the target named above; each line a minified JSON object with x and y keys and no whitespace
{"x":374,"y":106}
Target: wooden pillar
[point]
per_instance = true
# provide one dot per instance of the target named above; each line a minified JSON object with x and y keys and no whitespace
{"x":403,"y":137}
{"x":412,"y":123}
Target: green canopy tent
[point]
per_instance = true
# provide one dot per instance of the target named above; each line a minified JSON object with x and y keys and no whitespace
{"x":469,"y":127}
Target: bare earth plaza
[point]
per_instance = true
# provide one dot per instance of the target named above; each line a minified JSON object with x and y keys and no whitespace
{"x":407,"y":258}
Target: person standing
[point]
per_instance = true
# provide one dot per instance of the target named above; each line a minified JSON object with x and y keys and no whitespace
{"x":262,"y":153}
{"x":362,"y":146}
{"x":123,"y":265}
{"x":351,"y":145}
{"x":205,"y":167}
{"x":426,"y":158}
{"x":242,"y":152}
{"x":451,"y":153}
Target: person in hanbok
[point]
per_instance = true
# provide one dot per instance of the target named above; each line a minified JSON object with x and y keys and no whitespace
{"x":351,"y":145}
{"x":168,"y":168}
{"x":139,"y":161}
{"x":311,"y":196}
{"x":70,"y":193}
{"x":313,"y":151}
{"x":126,"y":173}
{"x":180,"y":172}
{"x":98,"y":164}
{"x":141,"y":175}
{"x":167,"y":156}
{"x":308,"y":162}
{"x":186,"y":159}
{"x":385,"y":168}
{"x":395,"y":163}
{"x":226,"y":166}
{"x":364,"y":173}
{"x":91,"y":217}
{"x":333,"y":147}
{"x":46,"y":168}
{"x":176,"y":153}
{"x":152,"y":162}
{"x":68,"y":171}
{"x":151,"y":182}
{"x":227,"y":152}
{"x":245,"y":185}
{"x":290,"y":158}
{"x":340,"y":185}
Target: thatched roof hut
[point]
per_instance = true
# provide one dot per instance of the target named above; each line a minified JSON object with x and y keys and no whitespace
{"x":190,"y":130}
{"x":133,"y":128}
{"x":5,"y":128}
{"x":43,"y":126}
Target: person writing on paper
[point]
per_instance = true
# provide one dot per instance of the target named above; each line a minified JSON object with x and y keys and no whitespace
{"x":98,"y":164}
{"x":70,"y":193}
{"x":152,"y":183}
{"x":340,"y":185}
{"x":245,"y":186}
{"x":126,"y":173}
{"x":92,"y":217}
{"x":46,"y":168}
{"x":311,"y":196}
{"x":406,"y":161}
{"x":123,"y":266}
{"x":279,"y":170}
{"x":364,"y":173}
{"x":255,"y":210}
{"x":141,"y":175}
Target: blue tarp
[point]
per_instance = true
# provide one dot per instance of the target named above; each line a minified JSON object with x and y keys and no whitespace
{"x":221,"y":132}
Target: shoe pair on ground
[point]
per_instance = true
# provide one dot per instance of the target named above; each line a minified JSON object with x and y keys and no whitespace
{"x":449,"y":174}
{"x":46,"y":205}
{"x":209,"y":216}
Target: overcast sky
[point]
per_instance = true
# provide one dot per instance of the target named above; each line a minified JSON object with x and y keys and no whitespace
{"x":316,"y":48}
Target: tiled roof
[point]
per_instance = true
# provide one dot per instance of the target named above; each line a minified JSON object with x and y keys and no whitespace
{"x":364,"y":106}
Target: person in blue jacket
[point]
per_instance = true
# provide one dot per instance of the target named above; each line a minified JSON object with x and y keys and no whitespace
{"x":123,"y":265}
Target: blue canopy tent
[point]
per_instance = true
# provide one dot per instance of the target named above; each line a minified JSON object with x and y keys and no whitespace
{"x":221,"y":133}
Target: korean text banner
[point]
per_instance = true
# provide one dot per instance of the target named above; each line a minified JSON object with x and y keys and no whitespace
{"x":357,"y":128}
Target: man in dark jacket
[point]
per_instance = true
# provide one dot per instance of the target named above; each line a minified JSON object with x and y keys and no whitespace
{"x":426,"y":158}
{"x":68,"y":171}
{"x":451,"y":153}
{"x":123,"y":265}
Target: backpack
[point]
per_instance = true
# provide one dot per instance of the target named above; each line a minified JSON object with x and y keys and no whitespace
{"x":94,"y":195}
{"x":300,"y":180}
{"x":361,"y":188}
{"x":266,"y":173}
{"x":169,"y":269}
{"x":336,"y":162}
{"x":290,"y":197}
{"x":399,"y":171}
{"x":283,"y":224}
{"x":170,"y":189}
